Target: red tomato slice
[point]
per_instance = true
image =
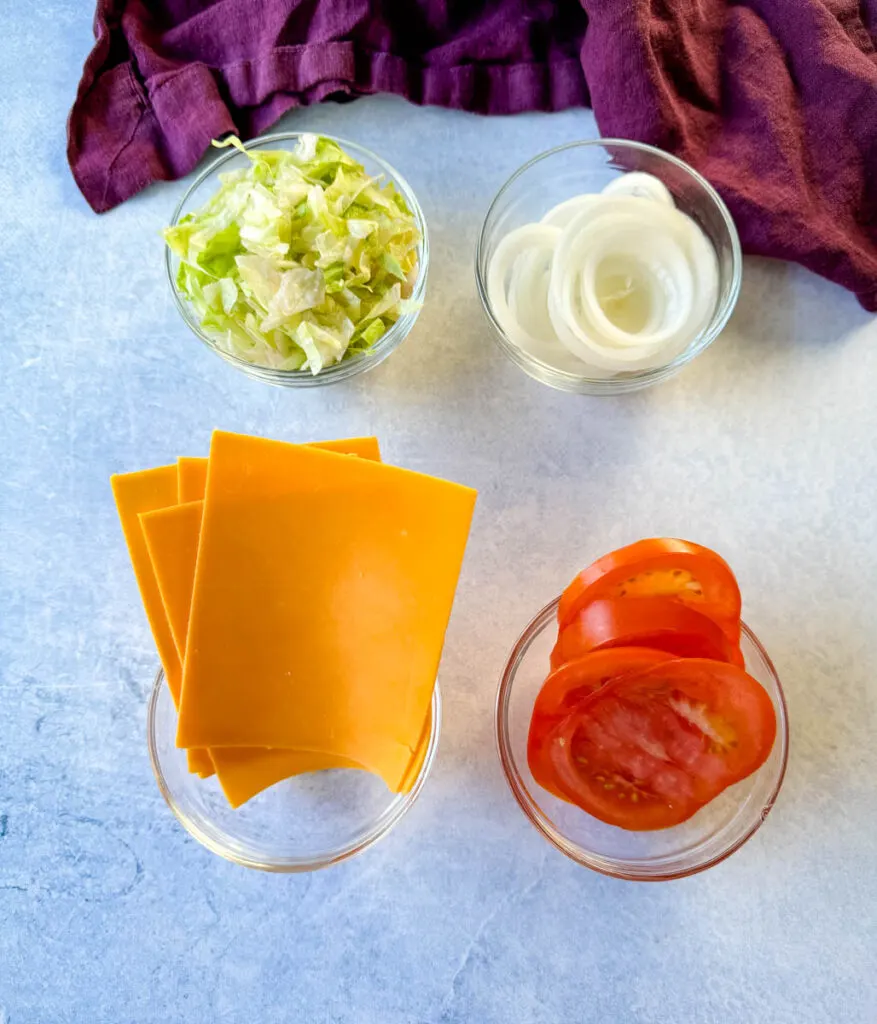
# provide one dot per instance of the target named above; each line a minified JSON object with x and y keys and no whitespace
{"x":567,"y":686}
{"x":663,"y":567}
{"x":660,"y":623}
{"x":649,"y":749}
{"x":564,"y":689}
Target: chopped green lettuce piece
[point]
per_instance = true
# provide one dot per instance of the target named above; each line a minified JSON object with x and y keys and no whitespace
{"x":299,"y":260}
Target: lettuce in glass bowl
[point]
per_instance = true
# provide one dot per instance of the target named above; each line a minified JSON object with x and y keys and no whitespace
{"x":299,"y":258}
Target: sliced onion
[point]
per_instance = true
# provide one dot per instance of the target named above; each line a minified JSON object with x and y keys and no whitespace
{"x":640,"y":230}
{"x":528,"y":292}
{"x":517,"y":289}
{"x":530,"y":237}
{"x":559,"y":216}
{"x":666,"y":276}
{"x":547,"y":281}
{"x":640,"y":185}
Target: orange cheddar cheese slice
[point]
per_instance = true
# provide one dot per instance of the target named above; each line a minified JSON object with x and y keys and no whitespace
{"x":135,"y":493}
{"x":172,"y":536}
{"x":141,"y":492}
{"x":191,"y":479}
{"x":245,"y":771}
{"x":192,"y":471}
{"x":416,"y":763}
{"x":322,"y":594}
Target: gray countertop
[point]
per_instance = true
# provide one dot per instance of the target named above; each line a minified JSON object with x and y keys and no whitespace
{"x":763,"y":448}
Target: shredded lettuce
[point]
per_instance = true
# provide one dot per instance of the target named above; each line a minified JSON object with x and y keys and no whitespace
{"x":299,"y":260}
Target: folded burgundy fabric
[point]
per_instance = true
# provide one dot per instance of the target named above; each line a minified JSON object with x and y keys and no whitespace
{"x":774,"y":101}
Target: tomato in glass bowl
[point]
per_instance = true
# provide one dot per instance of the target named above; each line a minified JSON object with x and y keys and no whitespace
{"x":651,"y":747}
{"x":679,"y":570}
{"x":711,"y":834}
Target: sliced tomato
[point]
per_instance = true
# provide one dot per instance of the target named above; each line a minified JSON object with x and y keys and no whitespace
{"x":661,"y":623}
{"x":568,"y":685}
{"x":647,"y":750}
{"x":566,"y":688}
{"x":662,"y":567}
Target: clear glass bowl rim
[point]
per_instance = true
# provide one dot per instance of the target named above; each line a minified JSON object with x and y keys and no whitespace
{"x":347,"y":368}
{"x":563,"y":379}
{"x":286,"y":864}
{"x":615,"y":867}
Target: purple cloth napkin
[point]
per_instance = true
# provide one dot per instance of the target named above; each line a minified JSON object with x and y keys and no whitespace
{"x":774,"y":101}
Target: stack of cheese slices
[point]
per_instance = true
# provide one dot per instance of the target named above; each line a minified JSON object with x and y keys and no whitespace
{"x":299,"y":597}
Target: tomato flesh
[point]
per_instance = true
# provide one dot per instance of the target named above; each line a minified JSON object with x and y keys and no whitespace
{"x":650,"y":748}
{"x":661,"y":567}
{"x":567,"y":687}
{"x":659,"y":623}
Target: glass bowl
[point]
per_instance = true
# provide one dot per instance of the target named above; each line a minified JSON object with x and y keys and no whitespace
{"x":583,"y":167}
{"x":711,"y":835}
{"x":204,"y":186}
{"x":301,"y":824}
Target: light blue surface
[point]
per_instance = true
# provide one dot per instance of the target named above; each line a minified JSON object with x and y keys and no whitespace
{"x":765,"y":447}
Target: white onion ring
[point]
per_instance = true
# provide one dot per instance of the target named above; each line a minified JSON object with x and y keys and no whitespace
{"x":545,"y":287}
{"x":559,"y":216}
{"x":640,"y":185}
{"x":594,"y":334}
{"x":515,"y":281}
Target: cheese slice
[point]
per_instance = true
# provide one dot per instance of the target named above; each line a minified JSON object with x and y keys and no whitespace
{"x":151,"y":490}
{"x":172,"y":536}
{"x":322,"y":594}
{"x":191,"y":483}
{"x":416,"y":763}
{"x":191,"y":479}
{"x":192,"y":471}
{"x":141,"y":492}
{"x":172,"y":539}
{"x":135,"y":493}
